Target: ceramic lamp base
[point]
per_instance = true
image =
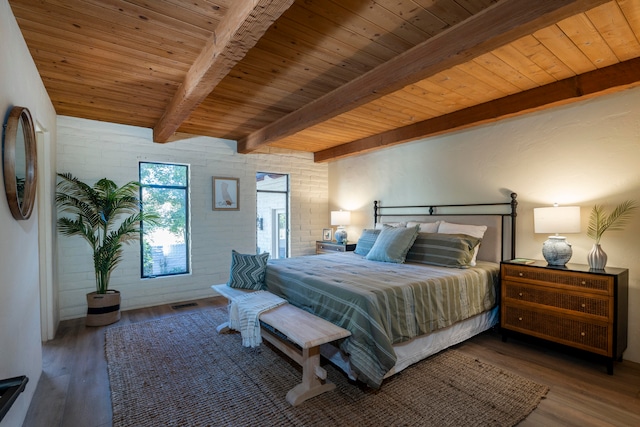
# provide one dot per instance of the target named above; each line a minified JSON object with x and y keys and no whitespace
{"x":341,"y":235}
{"x":556,"y":250}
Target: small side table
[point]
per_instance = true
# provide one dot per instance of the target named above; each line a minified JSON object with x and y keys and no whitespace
{"x":323,"y":247}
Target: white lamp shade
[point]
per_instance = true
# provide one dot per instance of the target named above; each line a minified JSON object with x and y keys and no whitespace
{"x":340,"y":217}
{"x":557,"y":219}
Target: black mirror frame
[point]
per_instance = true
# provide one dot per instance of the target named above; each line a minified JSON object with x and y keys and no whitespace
{"x":20,"y":208}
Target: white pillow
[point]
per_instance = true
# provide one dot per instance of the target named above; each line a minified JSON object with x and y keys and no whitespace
{"x":425,"y":227}
{"x":380,"y":226}
{"x":470,"y":230}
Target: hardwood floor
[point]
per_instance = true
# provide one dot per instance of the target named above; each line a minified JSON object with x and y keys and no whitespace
{"x":74,"y":388}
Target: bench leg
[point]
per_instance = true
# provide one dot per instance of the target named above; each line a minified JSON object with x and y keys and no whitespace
{"x":313,"y":378}
{"x":223,"y":328}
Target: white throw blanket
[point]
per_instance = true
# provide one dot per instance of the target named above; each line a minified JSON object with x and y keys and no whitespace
{"x":244,"y":312}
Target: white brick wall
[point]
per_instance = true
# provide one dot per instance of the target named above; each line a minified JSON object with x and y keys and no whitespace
{"x":92,"y":150}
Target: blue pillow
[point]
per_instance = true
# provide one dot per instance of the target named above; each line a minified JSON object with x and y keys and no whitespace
{"x":366,"y":241}
{"x":247,"y":271}
{"x":392,"y":244}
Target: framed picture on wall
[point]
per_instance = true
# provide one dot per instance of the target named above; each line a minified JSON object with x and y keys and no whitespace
{"x":326,"y":234}
{"x":226,"y":194}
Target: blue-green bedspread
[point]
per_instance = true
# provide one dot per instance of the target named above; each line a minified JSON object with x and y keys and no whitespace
{"x":380,"y":303}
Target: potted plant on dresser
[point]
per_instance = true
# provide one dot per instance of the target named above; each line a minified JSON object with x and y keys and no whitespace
{"x":95,"y":213}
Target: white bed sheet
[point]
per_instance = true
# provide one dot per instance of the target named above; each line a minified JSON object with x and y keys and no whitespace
{"x":420,"y":348}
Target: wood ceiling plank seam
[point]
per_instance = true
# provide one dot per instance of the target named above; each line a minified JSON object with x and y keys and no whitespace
{"x":380,"y":114}
{"x":149,"y":98}
{"x":47,"y":47}
{"x":448,"y":11}
{"x":101,"y":67}
{"x":612,"y":25}
{"x":205,"y":18}
{"x":431,"y":94}
{"x":103,"y":26}
{"x":474,"y":6}
{"x":128,"y":15}
{"x":538,"y":53}
{"x":499,"y":84}
{"x":516,"y":60}
{"x":415,"y":15}
{"x":448,"y":98}
{"x":497,"y":66}
{"x":357,"y":41}
{"x":122,"y":104}
{"x":89,"y":36}
{"x":588,"y":39}
{"x":240,"y":104}
{"x":493,"y":27}
{"x":465,"y":85}
{"x":631,"y":11}
{"x":371,"y":31}
{"x":302,"y":53}
{"x":246,"y":90}
{"x":293,"y":73}
{"x":379,"y":15}
{"x":557,"y":42}
{"x":404,"y":102}
{"x":244,"y":26}
{"x":96,"y":94}
{"x":360,"y":60}
{"x":604,"y":80}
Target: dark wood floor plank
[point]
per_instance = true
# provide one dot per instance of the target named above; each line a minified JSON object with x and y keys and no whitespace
{"x":74,"y":387}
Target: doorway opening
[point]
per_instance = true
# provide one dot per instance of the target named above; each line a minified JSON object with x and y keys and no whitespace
{"x":272,"y":214}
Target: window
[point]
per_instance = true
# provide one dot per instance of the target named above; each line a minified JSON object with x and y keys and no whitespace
{"x":164,"y":190}
{"x":272,"y":214}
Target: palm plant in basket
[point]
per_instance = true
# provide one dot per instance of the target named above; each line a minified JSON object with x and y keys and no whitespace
{"x":599,"y":222}
{"x":96,"y":215}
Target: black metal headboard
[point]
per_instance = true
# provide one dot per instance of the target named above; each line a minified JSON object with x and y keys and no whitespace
{"x":380,"y":211}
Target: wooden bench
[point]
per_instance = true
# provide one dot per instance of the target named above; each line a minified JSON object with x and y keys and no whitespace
{"x":304,"y":330}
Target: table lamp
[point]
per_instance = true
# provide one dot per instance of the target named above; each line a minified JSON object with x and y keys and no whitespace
{"x":341,"y":218}
{"x":566,"y":219}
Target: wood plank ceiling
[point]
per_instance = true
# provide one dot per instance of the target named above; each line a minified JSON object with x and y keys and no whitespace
{"x":332,"y":77}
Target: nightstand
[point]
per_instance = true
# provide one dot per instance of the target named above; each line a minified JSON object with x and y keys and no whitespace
{"x":323,"y":247}
{"x":570,"y":305}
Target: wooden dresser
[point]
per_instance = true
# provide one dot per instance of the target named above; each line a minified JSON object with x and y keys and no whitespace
{"x":323,"y":247}
{"x":571,"y":305}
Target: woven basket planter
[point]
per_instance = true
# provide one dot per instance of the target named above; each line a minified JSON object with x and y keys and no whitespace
{"x":103,"y":309}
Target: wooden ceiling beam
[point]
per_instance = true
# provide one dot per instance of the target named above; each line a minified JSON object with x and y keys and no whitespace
{"x":612,"y":78}
{"x":494,"y":27}
{"x":243,"y":25}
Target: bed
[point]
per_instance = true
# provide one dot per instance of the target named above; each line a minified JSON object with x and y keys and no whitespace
{"x":400,"y":313}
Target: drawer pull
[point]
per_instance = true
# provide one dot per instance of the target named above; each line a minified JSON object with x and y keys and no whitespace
{"x":520,"y":274}
{"x":519,"y":318}
{"x":584,"y":282}
{"x":520,"y":294}
{"x":583,"y":305}
{"x":582,"y":334}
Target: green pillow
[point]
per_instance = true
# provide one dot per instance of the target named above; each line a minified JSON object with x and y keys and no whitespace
{"x":247,"y":271}
{"x":392,"y":244}
{"x":447,"y":250}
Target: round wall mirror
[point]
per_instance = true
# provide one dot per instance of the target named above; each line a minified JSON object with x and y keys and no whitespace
{"x":20,"y":162}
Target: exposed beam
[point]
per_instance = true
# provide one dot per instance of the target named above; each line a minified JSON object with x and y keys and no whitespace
{"x":500,"y":24}
{"x":613,"y":78}
{"x":244,"y":24}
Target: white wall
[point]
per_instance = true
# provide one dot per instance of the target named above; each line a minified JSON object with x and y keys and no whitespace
{"x":583,"y":154}
{"x":20,"y":344}
{"x":92,"y":150}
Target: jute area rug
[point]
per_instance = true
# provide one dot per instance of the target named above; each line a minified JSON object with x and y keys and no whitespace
{"x":177,"y":371}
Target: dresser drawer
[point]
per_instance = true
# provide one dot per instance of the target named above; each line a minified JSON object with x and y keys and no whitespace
{"x":595,"y":337}
{"x":600,"y":307}
{"x":324,"y":247}
{"x":566,"y":280}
